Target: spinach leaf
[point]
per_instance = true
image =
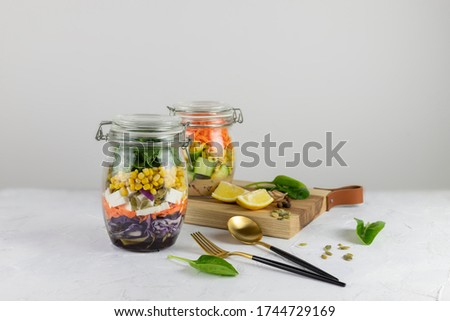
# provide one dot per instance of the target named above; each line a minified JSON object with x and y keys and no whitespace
{"x":146,"y":157}
{"x":210,"y":264}
{"x":367,"y":232}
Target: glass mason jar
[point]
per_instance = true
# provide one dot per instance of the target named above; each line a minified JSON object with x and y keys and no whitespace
{"x":211,"y":152}
{"x":145,"y":181}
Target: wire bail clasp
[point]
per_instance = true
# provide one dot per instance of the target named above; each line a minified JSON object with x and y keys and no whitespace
{"x":100,"y":136}
{"x":172,"y":111}
{"x":185,"y":142}
{"x":238,"y":117}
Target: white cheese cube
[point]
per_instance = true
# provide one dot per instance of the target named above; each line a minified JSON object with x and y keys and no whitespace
{"x":118,"y":202}
{"x":174,"y":196}
{"x":112,"y":196}
{"x":107,"y":193}
{"x":147,"y":211}
{"x":164,"y":206}
{"x":115,"y":199}
{"x":128,"y":207}
{"x":154,"y":209}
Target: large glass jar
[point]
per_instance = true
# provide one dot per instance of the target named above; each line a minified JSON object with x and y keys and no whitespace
{"x":211,"y":152}
{"x":145,"y":182}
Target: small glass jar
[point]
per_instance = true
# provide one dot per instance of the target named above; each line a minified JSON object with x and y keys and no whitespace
{"x":211,"y":152}
{"x":145,"y":181}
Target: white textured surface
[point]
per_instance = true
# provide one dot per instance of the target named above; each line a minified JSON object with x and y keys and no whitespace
{"x":53,"y":246}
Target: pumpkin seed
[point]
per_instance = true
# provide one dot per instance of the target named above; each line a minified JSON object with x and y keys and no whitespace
{"x":327,"y":247}
{"x":323,"y":256}
{"x":281,"y":214}
{"x":275,"y":214}
{"x":348,"y":257}
{"x":328,"y":253}
{"x":161,"y":193}
{"x":302,"y":244}
{"x":145,"y":203}
{"x":134,"y":203}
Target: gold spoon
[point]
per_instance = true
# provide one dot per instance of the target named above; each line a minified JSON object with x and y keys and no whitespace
{"x":248,"y":231}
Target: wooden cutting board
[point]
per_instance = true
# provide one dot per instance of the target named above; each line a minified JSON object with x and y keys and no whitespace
{"x":214,"y":213}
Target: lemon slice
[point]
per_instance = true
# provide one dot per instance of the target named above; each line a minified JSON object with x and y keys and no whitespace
{"x":255,"y":200}
{"x":227,"y":192}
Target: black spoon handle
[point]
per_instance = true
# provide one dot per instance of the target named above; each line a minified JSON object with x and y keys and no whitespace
{"x":301,"y":262}
{"x":295,"y":270}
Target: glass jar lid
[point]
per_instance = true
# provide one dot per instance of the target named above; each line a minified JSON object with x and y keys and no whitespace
{"x":147,"y":122}
{"x":137,"y":126}
{"x":206,"y":113}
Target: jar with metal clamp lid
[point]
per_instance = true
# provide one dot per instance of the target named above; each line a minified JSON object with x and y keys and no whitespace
{"x":211,"y":152}
{"x":145,"y":181}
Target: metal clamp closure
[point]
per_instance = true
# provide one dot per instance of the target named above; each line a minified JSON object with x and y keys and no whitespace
{"x":238,"y":117}
{"x":172,"y":111}
{"x":100,"y":136}
{"x":184,"y":140}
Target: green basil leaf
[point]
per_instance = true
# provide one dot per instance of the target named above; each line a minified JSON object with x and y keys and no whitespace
{"x":210,"y":264}
{"x":368,"y":232}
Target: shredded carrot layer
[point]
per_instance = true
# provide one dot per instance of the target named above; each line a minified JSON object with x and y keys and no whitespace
{"x":208,"y":135}
{"x":117,"y":211}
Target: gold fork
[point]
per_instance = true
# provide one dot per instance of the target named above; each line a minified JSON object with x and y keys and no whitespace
{"x":212,"y":249}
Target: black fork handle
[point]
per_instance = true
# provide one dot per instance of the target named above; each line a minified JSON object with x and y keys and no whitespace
{"x":301,"y":262}
{"x":295,"y":270}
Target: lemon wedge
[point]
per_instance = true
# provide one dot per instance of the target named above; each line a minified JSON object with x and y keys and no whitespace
{"x":255,"y":200}
{"x":227,"y":192}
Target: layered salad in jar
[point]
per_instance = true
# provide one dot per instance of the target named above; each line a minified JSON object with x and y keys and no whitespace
{"x":144,"y":204}
{"x":211,"y":152}
{"x":212,"y":159}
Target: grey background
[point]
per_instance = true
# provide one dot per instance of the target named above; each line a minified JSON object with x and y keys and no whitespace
{"x":375,"y":73}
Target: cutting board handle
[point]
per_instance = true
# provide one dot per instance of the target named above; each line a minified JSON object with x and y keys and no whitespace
{"x":346,"y":195}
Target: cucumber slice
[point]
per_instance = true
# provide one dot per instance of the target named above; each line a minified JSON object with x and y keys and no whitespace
{"x":195,"y":155}
{"x":195,"y":151}
{"x":200,"y":177}
{"x":191,"y":176}
{"x":203,"y":167}
{"x":221,"y":174}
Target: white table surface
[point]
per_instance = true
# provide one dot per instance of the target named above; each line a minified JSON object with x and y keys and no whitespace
{"x":54,"y":246}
